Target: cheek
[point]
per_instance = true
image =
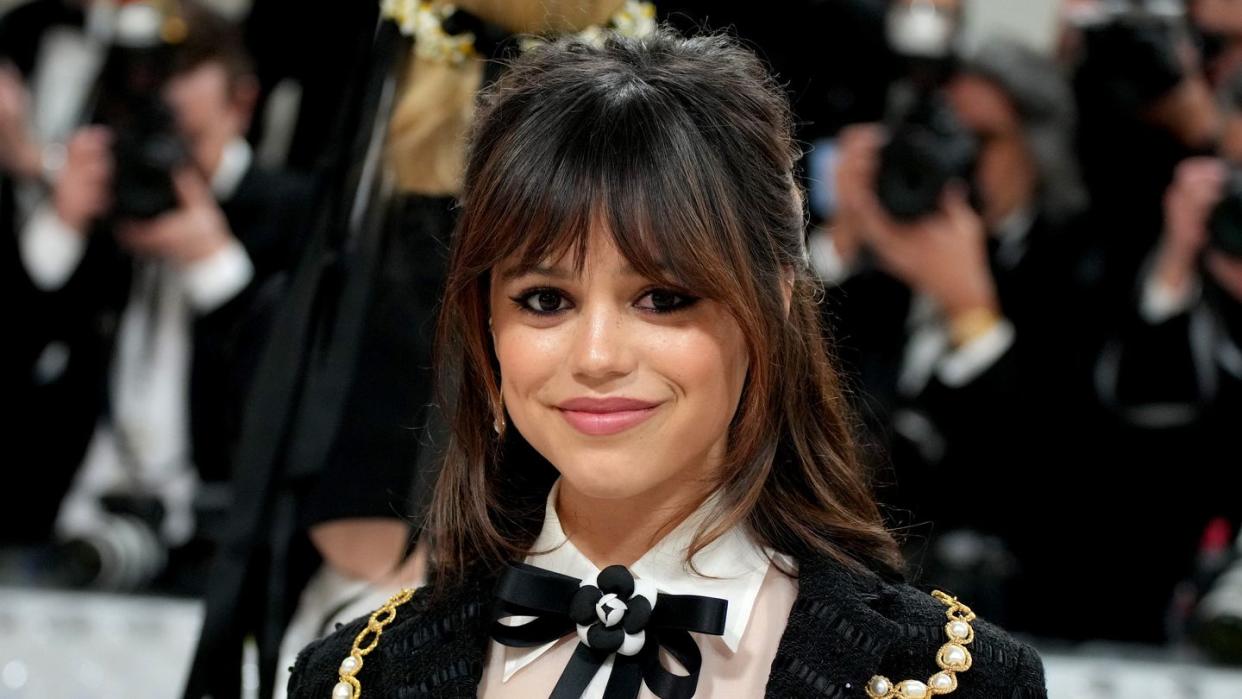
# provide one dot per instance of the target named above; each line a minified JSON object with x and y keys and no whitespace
{"x":706,"y":366}
{"x":997,"y":165}
{"x":528,"y":358}
{"x":192,"y":114}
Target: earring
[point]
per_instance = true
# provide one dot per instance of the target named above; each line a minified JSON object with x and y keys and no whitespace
{"x":498,"y":422}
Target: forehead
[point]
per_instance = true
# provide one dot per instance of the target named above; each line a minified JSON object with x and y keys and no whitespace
{"x":208,"y":77}
{"x":980,"y":102}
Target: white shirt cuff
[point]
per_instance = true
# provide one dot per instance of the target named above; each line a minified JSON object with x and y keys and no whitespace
{"x":50,"y":250}
{"x":966,"y":363}
{"x":1160,"y":303}
{"x":1229,"y":355}
{"x":825,"y":259}
{"x":212,"y":281}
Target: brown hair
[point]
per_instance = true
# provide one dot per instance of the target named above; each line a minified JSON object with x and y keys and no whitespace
{"x":681,"y":147}
{"x":211,"y":38}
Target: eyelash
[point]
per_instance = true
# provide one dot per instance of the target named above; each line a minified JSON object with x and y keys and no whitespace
{"x":522,"y":300}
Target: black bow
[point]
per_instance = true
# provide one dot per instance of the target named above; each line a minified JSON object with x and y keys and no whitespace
{"x":609,"y":617}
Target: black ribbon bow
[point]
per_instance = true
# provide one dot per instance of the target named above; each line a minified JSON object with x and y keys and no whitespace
{"x":609,"y":617}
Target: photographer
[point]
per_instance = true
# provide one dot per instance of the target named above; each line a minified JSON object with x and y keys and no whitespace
{"x":160,"y":318}
{"x":1144,"y":77}
{"x":1171,"y":374}
{"x":966,"y":327}
{"x":1174,"y":371}
{"x":49,"y":54}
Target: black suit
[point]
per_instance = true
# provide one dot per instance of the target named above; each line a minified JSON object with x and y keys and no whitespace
{"x":992,"y":454}
{"x":1177,"y":401}
{"x":22,"y":29}
{"x":21,"y":32}
{"x":81,"y":319}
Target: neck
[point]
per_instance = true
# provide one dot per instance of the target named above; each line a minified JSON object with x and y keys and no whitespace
{"x":620,"y":531}
{"x":210,"y":153}
{"x":999,"y":215}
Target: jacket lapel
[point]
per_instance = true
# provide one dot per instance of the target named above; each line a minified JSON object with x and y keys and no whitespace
{"x":836,"y":611}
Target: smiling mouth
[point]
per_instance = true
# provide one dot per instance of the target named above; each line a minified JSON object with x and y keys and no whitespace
{"x":602,"y":419}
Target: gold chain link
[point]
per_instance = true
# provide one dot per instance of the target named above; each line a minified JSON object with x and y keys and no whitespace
{"x":953,"y":658}
{"x":380,"y":618}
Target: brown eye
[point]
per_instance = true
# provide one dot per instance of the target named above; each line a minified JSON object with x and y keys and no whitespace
{"x":542,"y":301}
{"x":666,"y":301}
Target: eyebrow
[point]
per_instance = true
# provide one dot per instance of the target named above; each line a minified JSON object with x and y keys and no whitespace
{"x":557,"y":272}
{"x":542,"y":270}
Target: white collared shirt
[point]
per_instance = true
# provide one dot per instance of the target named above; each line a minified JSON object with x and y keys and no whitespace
{"x":732,"y":568}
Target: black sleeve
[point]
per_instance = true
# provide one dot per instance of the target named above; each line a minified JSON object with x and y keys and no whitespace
{"x":373,"y":466}
{"x":1148,"y":373}
{"x":271,"y":220}
{"x":22,"y":29}
{"x":1027,"y":679}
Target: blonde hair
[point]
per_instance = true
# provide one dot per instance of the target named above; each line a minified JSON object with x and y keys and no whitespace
{"x":432,"y":117}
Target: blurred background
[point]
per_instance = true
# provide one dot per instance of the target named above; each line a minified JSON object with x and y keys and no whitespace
{"x":223,"y":228}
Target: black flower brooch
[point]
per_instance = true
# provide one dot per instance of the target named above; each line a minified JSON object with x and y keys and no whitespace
{"x":614,"y":616}
{"x":610,"y":615}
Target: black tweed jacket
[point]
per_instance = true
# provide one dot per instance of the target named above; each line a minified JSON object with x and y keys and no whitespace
{"x":844,"y":628}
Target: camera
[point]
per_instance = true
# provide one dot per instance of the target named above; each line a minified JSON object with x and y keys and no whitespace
{"x":927,"y":147}
{"x":1225,"y":221}
{"x":147,"y":147}
{"x":122,"y":551}
{"x":1131,"y":53}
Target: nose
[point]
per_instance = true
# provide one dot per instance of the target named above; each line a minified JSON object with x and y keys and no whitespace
{"x":601,"y":350}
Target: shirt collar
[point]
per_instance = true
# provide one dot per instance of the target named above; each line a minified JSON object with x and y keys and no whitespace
{"x":234,"y":162}
{"x":731,"y":568}
{"x":1012,"y":234}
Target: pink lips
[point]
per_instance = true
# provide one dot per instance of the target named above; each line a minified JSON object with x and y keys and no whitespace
{"x":605,"y":416}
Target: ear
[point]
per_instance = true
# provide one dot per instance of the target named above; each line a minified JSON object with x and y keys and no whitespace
{"x":788,"y":278}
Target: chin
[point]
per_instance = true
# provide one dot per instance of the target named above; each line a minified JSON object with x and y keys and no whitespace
{"x":616,"y":476}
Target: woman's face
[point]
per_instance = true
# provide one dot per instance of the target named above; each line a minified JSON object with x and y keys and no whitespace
{"x":624,"y":385}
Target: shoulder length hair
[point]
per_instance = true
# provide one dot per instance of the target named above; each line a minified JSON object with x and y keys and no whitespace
{"x":682,"y":148}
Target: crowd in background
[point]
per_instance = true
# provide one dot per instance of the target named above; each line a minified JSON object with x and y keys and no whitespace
{"x":223,"y":230}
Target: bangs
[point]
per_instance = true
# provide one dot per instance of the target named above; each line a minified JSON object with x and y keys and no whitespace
{"x":617,"y":157}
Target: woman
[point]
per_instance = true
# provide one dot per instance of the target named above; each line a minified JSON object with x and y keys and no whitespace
{"x":375,"y":373}
{"x":644,"y":415}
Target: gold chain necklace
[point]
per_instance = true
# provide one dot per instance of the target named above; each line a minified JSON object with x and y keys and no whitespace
{"x":348,"y":687}
{"x":952,"y":659}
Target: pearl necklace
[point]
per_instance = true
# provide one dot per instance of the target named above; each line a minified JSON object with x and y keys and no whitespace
{"x":952,"y":659}
{"x":349,"y":687}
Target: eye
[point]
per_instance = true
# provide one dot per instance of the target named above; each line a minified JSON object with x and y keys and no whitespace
{"x":542,"y":301}
{"x":666,"y":301}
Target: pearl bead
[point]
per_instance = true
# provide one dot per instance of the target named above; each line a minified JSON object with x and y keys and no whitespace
{"x":954,"y":656}
{"x":342,"y":690}
{"x":349,"y":664}
{"x":912,"y":689}
{"x":880,"y":686}
{"x":942,"y":682}
{"x":959,"y":630}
